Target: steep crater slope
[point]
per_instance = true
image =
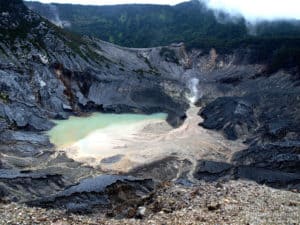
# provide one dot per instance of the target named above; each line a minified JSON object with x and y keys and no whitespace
{"x":260,"y":108}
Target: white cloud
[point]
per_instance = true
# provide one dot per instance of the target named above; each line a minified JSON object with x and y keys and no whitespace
{"x":114,"y":2}
{"x":259,"y":9}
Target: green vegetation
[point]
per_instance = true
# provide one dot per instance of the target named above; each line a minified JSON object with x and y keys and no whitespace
{"x":142,"y":72}
{"x":11,"y":5}
{"x":276,"y":43}
{"x":154,"y":25}
{"x":4,"y":97}
{"x":18,"y":26}
{"x":144,"y":25}
{"x":20,"y":31}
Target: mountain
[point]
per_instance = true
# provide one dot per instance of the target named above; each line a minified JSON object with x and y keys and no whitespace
{"x":245,"y":98}
{"x":155,"y":25}
{"x":142,"y":25}
{"x":189,"y":22}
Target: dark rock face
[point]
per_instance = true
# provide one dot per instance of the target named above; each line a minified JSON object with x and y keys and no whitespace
{"x":211,"y":171}
{"x":100,"y":193}
{"x":276,"y":164}
{"x":163,"y":170}
{"x":262,"y":173}
{"x":233,"y":115}
{"x":282,"y":156}
{"x":270,"y":111}
{"x":12,"y":11}
{"x":27,"y":185}
{"x":263,"y":111}
{"x":273,"y":178}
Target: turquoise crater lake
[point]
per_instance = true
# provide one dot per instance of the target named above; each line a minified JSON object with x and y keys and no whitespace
{"x":67,"y":132}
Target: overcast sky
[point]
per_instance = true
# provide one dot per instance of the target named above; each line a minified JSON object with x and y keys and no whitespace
{"x":260,"y":9}
{"x":251,"y":9}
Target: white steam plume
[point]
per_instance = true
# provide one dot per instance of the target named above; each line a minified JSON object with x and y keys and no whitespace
{"x":56,"y":20}
{"x":194,"y":92}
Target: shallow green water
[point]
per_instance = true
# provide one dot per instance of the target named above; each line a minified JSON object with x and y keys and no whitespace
{"x":75,"y":128}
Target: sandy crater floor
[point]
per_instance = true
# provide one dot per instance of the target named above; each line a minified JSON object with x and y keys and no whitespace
{"x":123,"y":147}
